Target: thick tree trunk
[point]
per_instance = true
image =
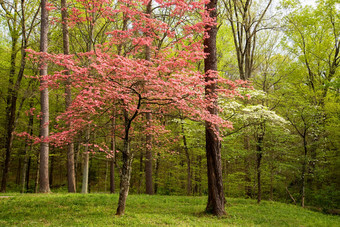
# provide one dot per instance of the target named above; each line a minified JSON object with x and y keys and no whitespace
{"x":125,"y":177}
{"x":216,"y":199}
{"x":148,"y":154}
{"x":71,"y":179}
{"x":44,"y":186}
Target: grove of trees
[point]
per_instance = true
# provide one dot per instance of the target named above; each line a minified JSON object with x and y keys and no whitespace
{"x":228,"y":98}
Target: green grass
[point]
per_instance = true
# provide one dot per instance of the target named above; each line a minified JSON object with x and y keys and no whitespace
{"x":143,"y":210}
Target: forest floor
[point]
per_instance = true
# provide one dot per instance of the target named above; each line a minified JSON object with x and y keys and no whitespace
{"x":61,"y":209}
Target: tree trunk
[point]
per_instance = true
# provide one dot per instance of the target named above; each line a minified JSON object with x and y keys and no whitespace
{"x":113,"y":159}
{"x":187,"y":155}
{"x":71,"y":179}
{"x":44,"y":186}
{"x":36,"y":182}
{"x":125,"y":177}
{"x":148,"y":154}
{"x":216,"y":197}
{"x":303,"y":172}
{"x":86,"y":158}
{"x":258,"y":166}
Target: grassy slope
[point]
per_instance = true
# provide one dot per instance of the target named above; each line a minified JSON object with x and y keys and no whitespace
{"x":143,"y":210}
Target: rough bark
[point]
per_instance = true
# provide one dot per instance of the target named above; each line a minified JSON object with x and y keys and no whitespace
{"x":216,"y":199}
{"x":44,"y":186}
{"x":125,"y":177}
{"x":148,"y":154}
{"x":71,"y":179}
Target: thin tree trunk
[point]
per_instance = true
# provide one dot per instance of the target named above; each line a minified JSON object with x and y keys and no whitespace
{"x":187,"y":155}
{"x":112,"y":160}
{"x":258,"y":166}
{"x":303,"y":172}
{"x":44,"y":186}
{"x":216,"y":199}
{"x":86,"y":158}
{"x":36,"y":182}
{"x":28,"y":172}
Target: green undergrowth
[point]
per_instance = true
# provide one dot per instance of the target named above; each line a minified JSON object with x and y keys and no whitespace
{"x":142,"y":210}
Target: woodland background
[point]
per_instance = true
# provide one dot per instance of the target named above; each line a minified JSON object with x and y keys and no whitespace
{"x":285,"y":145}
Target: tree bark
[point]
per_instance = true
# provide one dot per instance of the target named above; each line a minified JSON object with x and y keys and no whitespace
{"x":125,"y":177}
{"x":44,"y":186}
{"x":113,"y":159}
{"x":71,"y":179}
{"x":303,"y":172}
{"x":148,"y":154}
{"x":216,"y":199}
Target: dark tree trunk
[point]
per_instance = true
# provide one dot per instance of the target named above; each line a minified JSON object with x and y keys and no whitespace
{"x":44,"y":186}
{"x":156,"y":173}
{"x":187,"y":155}
{"x":125,"y":177}
{"x":258,"y":166}
{"x":71,"y":179}
{"x":127,"y":158}
{"x":216,"y":199}
{"x":113,"y":159}
{"x":303,"y":172}
{"x":28,"y":173}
